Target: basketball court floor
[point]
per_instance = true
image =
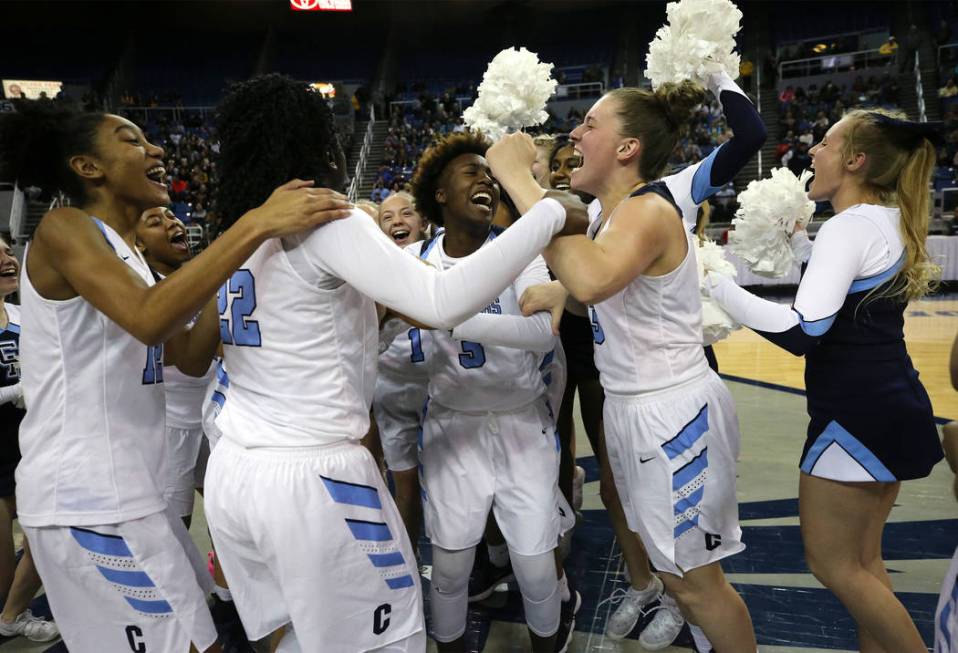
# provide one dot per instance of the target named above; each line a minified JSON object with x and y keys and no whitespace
{"x":791,"y":611}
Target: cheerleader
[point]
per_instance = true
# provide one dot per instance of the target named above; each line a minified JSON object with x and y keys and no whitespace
{"x":871,"y":420}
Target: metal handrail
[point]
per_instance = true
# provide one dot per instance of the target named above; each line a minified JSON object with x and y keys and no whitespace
{"x":17,"y":212}
{"x":363,"y":153}
{"x":919,"y":91}
{"x":758,"y":100}
{"x":860,"y":56}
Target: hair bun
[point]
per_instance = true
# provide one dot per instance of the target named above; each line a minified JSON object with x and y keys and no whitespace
{"x":679,"y":100}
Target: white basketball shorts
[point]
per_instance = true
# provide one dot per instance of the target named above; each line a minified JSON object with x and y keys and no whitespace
{"x":136,"y":586}
{"x":310,"y":536}
{"x":397,"y":407}
{"x":182,"y":452}
{"x":673,"y":454}
{"x":507,"y":461}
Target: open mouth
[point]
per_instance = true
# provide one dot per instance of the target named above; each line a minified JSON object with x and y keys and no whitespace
{"x":562,"y":185}
{"x":400,"y":235}
{"x":483,"y":199}
{"x":10,"y":271}
{"x":157,"y":174}
{"x":178,"y":242}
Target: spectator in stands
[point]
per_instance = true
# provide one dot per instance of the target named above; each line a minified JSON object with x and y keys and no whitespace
{"x":906,"y":56}
{"x":889,"y":48}
{"x":949,"y":90}
{"x":800,"y":159}
{"x":787,"y":96}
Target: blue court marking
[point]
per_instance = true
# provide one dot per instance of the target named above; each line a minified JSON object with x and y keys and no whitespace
{"x":867,"y":283}
{"x":689,"y":434}
{"x":369,"y":530}
{"x":149,"y":607}
{"x":793,"y":391}
{"x":400,"y":582}
{"x":835,"y":433}
{"x":387,"y":559}
{"x":684,"y":475}
{"x":108,"y":545}
{"x":128,"y":578}
{"x":352,"y":494}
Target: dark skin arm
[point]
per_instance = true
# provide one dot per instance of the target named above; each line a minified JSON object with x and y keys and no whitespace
{"x":192,"y":351}
{"x":69,"y":257}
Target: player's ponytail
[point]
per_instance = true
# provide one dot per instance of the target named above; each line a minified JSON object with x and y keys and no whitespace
{"x":899,"y":161}
{"x":38,"y":140}
{"x":657,"y":118}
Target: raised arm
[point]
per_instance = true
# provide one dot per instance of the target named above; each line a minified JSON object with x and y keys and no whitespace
{"x":69,"y":255}
{"x":532,"y":333}
{"x":358,"y":252}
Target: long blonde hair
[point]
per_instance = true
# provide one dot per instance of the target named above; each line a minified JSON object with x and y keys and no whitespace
{"x":898,"y":170}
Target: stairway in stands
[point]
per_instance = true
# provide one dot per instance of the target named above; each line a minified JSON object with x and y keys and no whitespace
{"x":374,"y":157}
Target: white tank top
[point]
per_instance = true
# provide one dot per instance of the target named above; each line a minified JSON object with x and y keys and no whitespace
{"x":93,"y":439}
{"x":407,"y":354}
{"x":648,"y":336}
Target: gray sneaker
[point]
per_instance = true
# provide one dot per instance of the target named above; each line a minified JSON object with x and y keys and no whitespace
{"x":33,"y":628}
{"x":631,"y":604}
{"x":664,"y":627}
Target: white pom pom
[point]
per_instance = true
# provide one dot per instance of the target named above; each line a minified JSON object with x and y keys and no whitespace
{"x":769,"y":210}
{"x":698,"y":40}
{"x":716,"y":323}
{"x":512,"y":95}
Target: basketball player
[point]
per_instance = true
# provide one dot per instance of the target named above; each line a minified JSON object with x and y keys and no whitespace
{"x":871,"y":424}
{"x":670,"y":425}
{"x":401,"y":384}
{"x":90,"y":485}
{"x":300,"y":331}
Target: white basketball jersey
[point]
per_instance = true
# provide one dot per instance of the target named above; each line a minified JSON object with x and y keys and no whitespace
{"x":648,"y":336}
{"x":300,"y":331}
{"x":216,"y":393}
{"x":407,"y":354}
{"x":93,"y":439}
{"x":472,"y":376}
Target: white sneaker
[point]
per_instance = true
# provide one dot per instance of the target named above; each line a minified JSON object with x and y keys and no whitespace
{"x":623,"y":620}
{"x":664,"y":627}
{"x":578,"y":480}
{"x":33,"y":628}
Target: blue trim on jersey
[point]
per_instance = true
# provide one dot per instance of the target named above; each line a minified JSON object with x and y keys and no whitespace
{"x":946,"y":614}
{"x":858,"y":285}
{"x":702,"y":187}
{"x":218,"y":398}
{"x":149,"y":607}
{"x":836,"y":433}
{"x":128,"y":578}
{"x":685,"y":475}
{"x":494,"y":231}
{"x":369,"y":531}
{"x":108,"y":545}
{"x":815,"y":328}
{"x":387,"y":559}
{"x":221,"y":376}
{"x":13,"y":328}
{"x":687,"y":525}
{"x":427,"y":246}
{"x":400,"y":582}
{"x":102,"y":228}
{"x":690,"y":501}
{"x":689,"y":435}
{"x":352,"y":494}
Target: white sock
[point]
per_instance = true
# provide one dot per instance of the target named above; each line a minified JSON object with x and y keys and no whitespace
{"x":223,"y":593}
{"x":498,"y":554}
{"x":564,"y":592}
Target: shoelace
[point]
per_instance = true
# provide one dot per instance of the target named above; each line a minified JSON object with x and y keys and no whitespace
{"x":618,"y":595}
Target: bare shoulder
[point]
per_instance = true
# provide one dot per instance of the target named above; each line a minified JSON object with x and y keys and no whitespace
{"x":61,"y":225}
{"x":648,"y":213}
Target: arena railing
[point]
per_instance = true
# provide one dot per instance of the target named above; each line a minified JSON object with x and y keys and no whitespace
{"x":363,"y":153}
{"x":919,"y":91}
{"x":580,"y":90}
{"x":831,"y":63}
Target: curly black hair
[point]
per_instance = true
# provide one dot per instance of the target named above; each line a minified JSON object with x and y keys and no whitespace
{"x":271,"y":129}
{"x":433,"y":162}
{"x":37,"y":141}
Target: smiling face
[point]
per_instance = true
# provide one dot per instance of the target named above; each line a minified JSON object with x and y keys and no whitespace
{"x":163,"y":239}
{"x":564,"y":163}
{"x":596,"y":140}
{"x":828,"y":163}
{"x":467,"y":193}
{"x":126,"y":164}
{"x":9,"y":270}
{"x":400,"y":221}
